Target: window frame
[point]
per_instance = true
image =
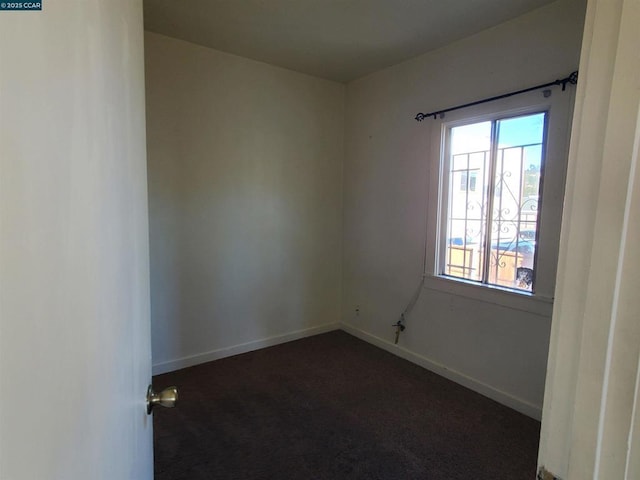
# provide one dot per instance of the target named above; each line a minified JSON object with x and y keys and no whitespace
{"x":558,"y":108}
{"x":445,"y":172}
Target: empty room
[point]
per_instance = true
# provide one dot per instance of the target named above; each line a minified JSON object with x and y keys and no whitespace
{"x":293,"y":194}
{"x":319,"y":239}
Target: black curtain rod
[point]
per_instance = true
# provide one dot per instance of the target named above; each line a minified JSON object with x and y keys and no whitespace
{"x":572,"y":79}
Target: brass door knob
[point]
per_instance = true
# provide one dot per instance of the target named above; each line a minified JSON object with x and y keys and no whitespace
{"x":167,"y":398}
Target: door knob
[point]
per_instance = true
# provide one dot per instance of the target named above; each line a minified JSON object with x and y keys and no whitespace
{"x":167,"y":398}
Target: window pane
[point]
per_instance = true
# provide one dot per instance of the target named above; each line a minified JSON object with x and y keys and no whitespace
{"x":515,"y":202}
{"x":470,"y":147}
{"x":475,"y":137}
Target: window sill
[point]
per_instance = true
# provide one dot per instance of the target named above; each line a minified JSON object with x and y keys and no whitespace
{"x":523,"y":301}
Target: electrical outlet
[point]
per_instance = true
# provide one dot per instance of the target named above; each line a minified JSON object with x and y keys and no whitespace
{"x":357,"y":310}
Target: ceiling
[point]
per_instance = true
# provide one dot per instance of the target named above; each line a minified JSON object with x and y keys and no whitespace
{"x":335,"y":39}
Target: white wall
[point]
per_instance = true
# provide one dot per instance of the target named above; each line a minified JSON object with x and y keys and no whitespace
{"x":245,"y":192}
{"x":498,"y":350}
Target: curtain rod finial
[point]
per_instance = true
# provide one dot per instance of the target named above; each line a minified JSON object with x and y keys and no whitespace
{"x":573,"y":78}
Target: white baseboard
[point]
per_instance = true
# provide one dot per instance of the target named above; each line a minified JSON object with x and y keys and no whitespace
{"x":197,"y":359}
{"x":518,"y":404}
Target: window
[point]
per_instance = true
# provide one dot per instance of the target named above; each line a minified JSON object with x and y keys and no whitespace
{"x":513,"y":151}
{"x":490,"y":194}
{"x":468,"y":179}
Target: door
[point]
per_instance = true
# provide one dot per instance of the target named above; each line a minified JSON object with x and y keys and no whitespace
{"x":75,"y":357}
{"x":592,"y":397}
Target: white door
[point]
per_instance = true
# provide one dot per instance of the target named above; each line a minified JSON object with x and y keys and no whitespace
{"x":74,"y":278}
{"x":591,"y":416}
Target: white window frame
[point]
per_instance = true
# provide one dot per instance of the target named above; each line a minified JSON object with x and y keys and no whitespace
{"x":558,"y":107}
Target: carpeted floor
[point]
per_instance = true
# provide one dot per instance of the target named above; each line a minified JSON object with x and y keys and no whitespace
{"x":332,"y":407}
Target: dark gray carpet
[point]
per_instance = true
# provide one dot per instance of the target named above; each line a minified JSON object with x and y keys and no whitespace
{"x":333,"y":407}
